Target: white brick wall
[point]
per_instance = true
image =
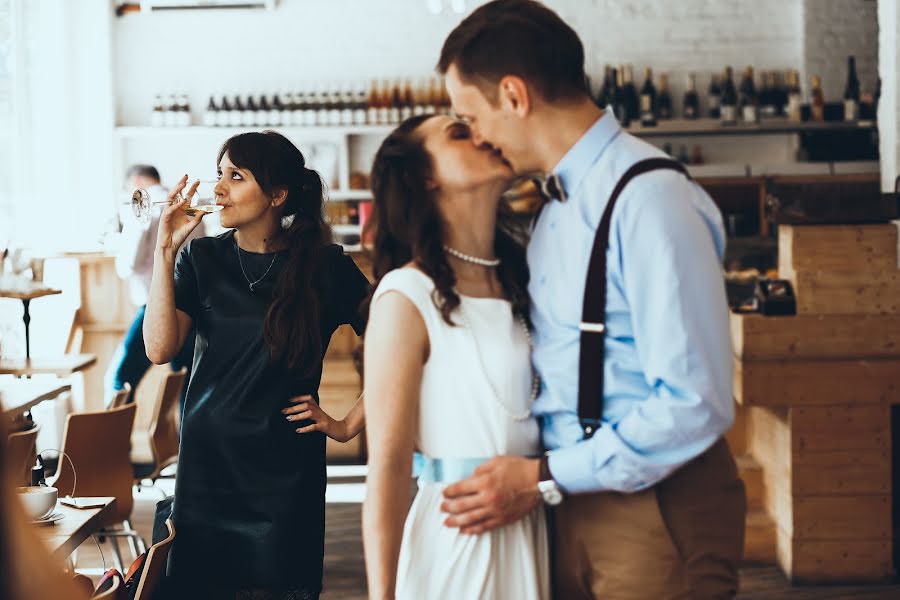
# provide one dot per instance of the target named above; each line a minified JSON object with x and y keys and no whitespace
{"x":889,"y":107}
{"x":835,"y":29}
{"x":304,"y":41}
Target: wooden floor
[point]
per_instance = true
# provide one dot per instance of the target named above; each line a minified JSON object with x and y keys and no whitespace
{"x":345,"y":572}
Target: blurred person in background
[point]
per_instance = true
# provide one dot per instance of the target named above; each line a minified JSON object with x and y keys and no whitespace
{"x":134,"y":262}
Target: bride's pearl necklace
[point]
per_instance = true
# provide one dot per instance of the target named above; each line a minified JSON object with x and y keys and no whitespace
{"x":484,"y":262}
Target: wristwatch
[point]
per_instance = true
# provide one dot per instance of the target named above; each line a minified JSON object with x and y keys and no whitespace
{"x":547,"y":487}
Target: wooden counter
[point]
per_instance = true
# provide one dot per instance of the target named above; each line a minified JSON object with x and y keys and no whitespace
{"x":816,"y":391}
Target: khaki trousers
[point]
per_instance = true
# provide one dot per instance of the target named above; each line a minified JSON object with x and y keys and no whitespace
{"x":681,"y":539}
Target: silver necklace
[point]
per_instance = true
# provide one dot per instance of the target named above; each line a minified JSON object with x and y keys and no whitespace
{"x":484,"y":262}
{"x":535,"y":380}
{"x":252,"y":284}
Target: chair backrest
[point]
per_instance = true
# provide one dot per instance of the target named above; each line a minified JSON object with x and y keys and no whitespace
{"x":112,"y":592}
{"x":20,"y":454}
{"x":121,"y":398}
{"x":164,"y":425}
{"x":155,"y":564}
{"x":99,"y":446}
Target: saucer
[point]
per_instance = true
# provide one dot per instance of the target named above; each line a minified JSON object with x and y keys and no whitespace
{"x":50,"y":520}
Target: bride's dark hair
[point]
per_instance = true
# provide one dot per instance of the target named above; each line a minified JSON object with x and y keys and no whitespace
{"x":408,"y":226}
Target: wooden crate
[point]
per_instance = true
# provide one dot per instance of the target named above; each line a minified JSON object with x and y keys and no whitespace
{"x":812,"y":382}
{"x":846,"y":292}
{"x":826,"y":474}
{"x":841,"y":269}
{"x":803,"y":248}
{"x":755,"y":337}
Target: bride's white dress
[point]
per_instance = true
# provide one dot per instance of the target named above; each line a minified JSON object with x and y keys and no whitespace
{"x":477,"y":376}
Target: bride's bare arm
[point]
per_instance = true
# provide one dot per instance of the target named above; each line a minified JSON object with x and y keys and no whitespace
{"x":396,"y":349}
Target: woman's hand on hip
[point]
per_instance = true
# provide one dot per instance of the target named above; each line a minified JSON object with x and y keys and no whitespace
{"x":305,"y":408}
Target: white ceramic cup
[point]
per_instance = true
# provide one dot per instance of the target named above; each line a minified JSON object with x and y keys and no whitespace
{"x":38,"y":501}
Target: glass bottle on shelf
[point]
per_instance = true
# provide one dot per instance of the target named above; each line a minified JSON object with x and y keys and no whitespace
{"x":664,"y":99}
{"x":396,"y":103}
{"x":714,"y":97}
{"x":347,"y":105}
{"x":275,"y":108}
{"x":286,"y":100}
{"x":310,"y":109}
{"x":728,"y":108}
{"x":335,"y":106}
{"x":372,"y":103}
{"x":248,"y":115}
{"x":384,"y":103}
{"x":691,"y":99}
{"x":851,"y":92}
{"x":619,"y":107}
{"x":263,"y":115}
{"x":171,"y":114}
{"x":158,"y":115}
{"x":632,"y":103}
{"x":794,"y":100}
{"x":406,"y":110}
{"x":360,"y":108}
{"x":648,"y":100}
{"x":237,"y":112}
{"x":748,"y":98}
{"x":818,"y":99}
{"x":210,"y":116}
{"x":223,"y":117}
{"x":321,"y":101}
{"x":434,"y":97}
{"x":184,"y":111}
{"x":604,"y":96}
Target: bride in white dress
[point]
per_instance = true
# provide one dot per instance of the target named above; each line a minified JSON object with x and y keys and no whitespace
{"x":460,"y":394}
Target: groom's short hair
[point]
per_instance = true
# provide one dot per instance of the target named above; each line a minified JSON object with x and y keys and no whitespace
{"x":522,"y":38}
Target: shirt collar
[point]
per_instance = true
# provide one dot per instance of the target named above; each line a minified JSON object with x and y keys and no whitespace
{"x":581,"y":157}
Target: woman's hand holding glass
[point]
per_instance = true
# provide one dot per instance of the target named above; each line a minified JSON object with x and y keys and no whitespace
{"x":179,"y":218}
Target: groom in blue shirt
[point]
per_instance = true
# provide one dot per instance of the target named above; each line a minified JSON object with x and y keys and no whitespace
{"x":648,"y":504}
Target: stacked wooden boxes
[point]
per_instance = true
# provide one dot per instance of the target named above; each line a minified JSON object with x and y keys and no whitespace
{"x":817,"y":390}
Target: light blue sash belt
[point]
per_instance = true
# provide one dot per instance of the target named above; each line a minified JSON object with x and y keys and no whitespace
{"x":444,"y":470}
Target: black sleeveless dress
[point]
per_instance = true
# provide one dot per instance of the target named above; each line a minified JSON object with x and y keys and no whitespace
{"x":250,"y":492}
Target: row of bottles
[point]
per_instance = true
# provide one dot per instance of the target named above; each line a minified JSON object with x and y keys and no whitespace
{"x":763,"y":95}
{"x":383,"y":103}
{"x":172,"y":110}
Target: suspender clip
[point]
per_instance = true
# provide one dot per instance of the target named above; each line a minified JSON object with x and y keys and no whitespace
{"x":592,"y":327}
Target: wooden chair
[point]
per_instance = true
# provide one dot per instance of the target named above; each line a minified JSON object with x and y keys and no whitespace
{"x":157,"y":448}
{"x":155,"y":565}
{"x":98,"y":444}
{"x":121,"y":398}
{"x":20,"y":454}
{"x":112,"y":593}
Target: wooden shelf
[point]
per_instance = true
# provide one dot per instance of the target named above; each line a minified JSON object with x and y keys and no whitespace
{"x":673,"y":127}
{"x":685,"y":127}
{"x":342,"y":195}
{"x":140,"y":131}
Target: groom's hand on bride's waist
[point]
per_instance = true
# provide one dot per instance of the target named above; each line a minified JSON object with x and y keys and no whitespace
{"x":499,"y":492}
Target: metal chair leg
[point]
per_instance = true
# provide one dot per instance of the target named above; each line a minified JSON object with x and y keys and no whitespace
{"x":117,"y":556}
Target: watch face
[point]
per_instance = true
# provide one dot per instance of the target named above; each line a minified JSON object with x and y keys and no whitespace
{"x":550,"y":493}
{"x":553,"y":497}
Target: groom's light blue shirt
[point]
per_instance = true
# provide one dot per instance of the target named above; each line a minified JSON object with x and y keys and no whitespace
{"x":668,"y":368}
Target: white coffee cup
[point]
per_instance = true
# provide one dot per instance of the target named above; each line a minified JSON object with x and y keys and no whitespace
{"x":38,"y":500}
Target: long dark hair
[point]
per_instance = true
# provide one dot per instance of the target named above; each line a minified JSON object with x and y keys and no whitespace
{"x":292,"y":324}
{"x":408,"y":226}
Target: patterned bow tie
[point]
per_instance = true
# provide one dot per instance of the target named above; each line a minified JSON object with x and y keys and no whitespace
{"x":551,"y":188}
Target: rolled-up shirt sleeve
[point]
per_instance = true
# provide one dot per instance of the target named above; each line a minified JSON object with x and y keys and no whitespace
{"x":670,"y":271}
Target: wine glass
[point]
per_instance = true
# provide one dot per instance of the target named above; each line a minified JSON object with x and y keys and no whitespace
{"x":203,"y":200}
